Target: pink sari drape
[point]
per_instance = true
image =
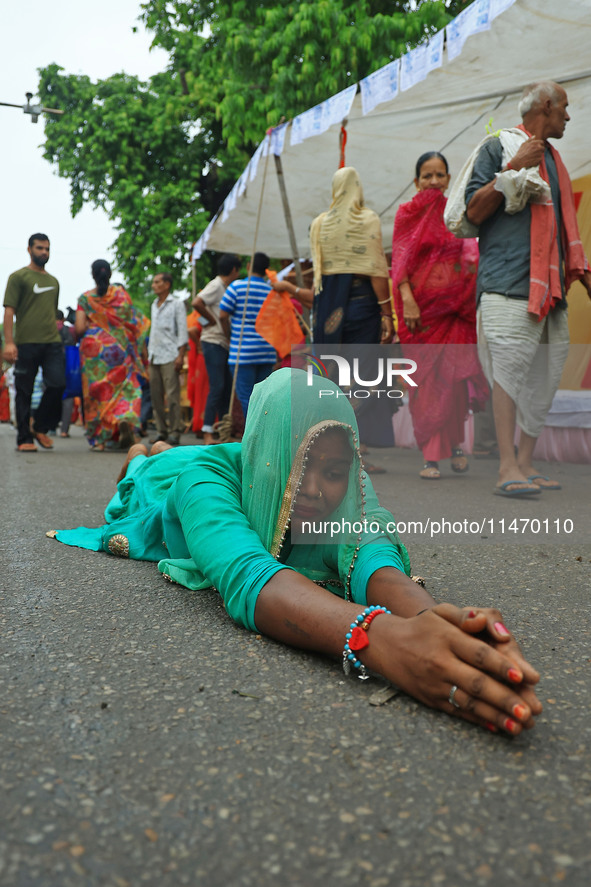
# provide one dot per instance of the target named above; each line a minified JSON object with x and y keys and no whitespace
{"x":441,"y":270}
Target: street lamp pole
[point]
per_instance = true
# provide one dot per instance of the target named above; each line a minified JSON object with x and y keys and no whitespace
{"x":33,"y":110}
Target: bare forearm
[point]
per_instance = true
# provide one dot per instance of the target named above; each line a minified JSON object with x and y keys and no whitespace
{"x":304,"y":296}
{"x":8,"y":326}
{"x":406,"y":293}
{"x":395,"y":591}
{"x":484,"y":203}
{"x":226,"y":327}
{"x":81,"y":323}
{"x":291,"y":609}
{"x":200,"y":306}
{"x":380,"y":288}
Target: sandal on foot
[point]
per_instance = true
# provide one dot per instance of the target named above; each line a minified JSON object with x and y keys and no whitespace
{"x":549,"y":485}
{"x":521,"y":490}
{"x":43,"y":439}
{"x":430,"y":471}
{"x":26,"y":448}
{"x":459,"y":461}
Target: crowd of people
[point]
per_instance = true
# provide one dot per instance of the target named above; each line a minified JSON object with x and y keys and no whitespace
{"x":515,"y":274}
{"x":269,"y":498}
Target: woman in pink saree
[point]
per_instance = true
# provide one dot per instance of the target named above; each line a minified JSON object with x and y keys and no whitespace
{"x":434,"y":283}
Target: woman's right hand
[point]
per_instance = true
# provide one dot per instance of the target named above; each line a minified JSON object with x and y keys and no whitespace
{"x":428,"y":655}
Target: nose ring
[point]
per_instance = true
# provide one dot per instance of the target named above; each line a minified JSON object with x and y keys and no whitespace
{"x":320,"y":494}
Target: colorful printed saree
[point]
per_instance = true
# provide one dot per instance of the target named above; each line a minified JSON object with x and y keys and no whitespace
{"x":111,"y":362}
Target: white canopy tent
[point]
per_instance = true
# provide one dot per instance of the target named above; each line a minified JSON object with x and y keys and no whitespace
{"x":437,"y":97}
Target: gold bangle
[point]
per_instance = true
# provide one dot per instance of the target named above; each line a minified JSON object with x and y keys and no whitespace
{"x":384,"y":301}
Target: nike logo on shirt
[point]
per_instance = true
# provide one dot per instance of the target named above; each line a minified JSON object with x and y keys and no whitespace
{"x":42,"y":289}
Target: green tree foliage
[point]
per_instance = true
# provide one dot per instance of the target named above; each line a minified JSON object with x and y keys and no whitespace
{"x":252,"y":63}
{"x":126,"y":147}
{"x":161,"y":156}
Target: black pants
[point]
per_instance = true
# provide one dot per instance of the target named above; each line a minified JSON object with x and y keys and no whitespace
{"x":220,"y":383}
{"x":50,"y":357}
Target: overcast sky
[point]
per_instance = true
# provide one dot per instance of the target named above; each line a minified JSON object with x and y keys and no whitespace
{"x":84,"y":38}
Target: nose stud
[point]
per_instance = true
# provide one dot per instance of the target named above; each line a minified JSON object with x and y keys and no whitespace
{"x":320,"y":494}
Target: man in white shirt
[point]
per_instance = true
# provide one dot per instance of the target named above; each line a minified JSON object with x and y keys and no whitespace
{"x":215,"y":344}
{"x":166,"y":352}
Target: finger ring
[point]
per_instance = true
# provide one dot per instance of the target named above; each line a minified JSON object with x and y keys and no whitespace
{"x":452,"y":696}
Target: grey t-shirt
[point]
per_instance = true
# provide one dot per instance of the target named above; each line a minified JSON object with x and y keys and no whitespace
{"x":504,"y":239}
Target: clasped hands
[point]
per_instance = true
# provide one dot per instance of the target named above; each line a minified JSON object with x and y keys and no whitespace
{"x":469,"y":649}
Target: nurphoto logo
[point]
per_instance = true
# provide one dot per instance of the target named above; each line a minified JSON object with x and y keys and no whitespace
{"x":361,"y":379}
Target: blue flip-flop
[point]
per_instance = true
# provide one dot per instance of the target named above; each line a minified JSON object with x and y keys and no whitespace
{"x":553,"y":485}
{"x":502,"y":490}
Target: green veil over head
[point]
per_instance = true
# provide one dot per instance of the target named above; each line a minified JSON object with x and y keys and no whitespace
{"x":286,"y":414}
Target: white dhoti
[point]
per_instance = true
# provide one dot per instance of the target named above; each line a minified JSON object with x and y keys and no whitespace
{"x":522,"y":355}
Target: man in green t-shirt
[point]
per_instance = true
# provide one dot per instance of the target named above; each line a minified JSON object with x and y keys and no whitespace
{"x":31,"y":299}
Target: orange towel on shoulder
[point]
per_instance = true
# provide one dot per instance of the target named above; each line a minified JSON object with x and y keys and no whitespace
{"x":544,"y":289}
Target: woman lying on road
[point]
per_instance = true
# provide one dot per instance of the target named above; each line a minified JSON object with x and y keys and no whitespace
{"x":248,"y":519}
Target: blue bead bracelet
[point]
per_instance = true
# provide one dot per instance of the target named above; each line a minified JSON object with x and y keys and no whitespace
{"x":357,"y":633}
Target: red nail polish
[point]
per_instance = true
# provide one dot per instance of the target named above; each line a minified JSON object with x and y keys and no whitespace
{"x":501,"y":629}
{"x":471,"y":614}
{"x":515,"y":675}
{"x":491,"y":727}
{"x":510,"y":725}
{"x":520,"y":712}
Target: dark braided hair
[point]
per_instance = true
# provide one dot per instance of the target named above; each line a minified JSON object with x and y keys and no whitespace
{"x":101,"y":273}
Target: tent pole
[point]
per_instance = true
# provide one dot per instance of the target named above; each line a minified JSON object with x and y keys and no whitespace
{"x":288,"y":221}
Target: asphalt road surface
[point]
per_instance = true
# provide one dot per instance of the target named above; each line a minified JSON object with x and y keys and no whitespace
{"x":145,"y":739}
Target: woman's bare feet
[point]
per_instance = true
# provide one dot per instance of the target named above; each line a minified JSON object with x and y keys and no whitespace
{"x":159,"y":447}
{"x":135,"y":450}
